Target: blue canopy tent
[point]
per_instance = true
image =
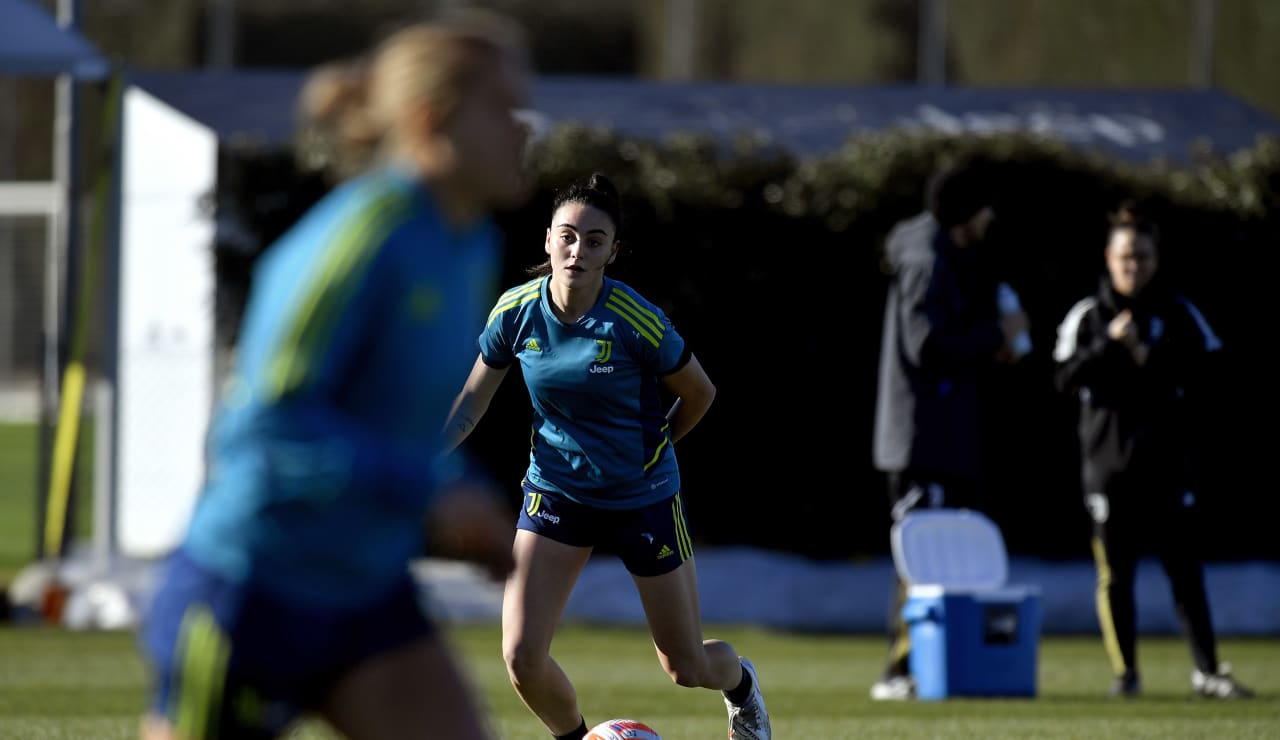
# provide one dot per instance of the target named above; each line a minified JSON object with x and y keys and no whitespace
{"x":32,"y":44}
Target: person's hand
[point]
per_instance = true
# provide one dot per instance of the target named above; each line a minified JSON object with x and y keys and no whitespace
{"x":469,"y":521}
{"x":1011,"y":326}
{"x":1124,"y":329}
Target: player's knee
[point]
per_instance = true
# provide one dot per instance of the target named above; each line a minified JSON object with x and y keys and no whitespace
{"x":523,"y":662}
{"x":690,"y":673}
{"x":689,"y":679}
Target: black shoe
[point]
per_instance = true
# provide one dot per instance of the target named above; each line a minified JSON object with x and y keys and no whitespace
{"x":1126,"y":686}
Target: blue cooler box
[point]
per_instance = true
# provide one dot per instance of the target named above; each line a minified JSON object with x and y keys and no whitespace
{"x":975,"y":643}
{"x":972,"y":633}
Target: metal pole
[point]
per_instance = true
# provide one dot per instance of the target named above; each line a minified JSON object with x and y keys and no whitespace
{"x":8,"y":244}
{"x":108,"y":424}
{"x":679,"y":30}
{"x":58,"y":258}
{"x":931,"y":51}
{"x":1203,"y":15}
{"x":222,"y":34}
{"x":104,"y":540}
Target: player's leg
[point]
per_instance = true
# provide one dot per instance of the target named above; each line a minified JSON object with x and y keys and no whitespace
{"x":198,"y":635}
{"x":905,"y":494}
{"x":656,"y":547}
{"x":392,"y":674}
{"x":1175,"y":538}
{"x":1115,"y":555}
{"x":535,"y":596}
{"x":1186,"y":582}
{"x":156,"y":726}
{"x":415,"y":690}
{"x":1178,"y":534}
{"x":178,"y":615}
{"x":671,"y":607}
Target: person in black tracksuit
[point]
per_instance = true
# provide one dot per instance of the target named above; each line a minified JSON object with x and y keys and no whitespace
{"x":1132,"y":353}
{"x":942,"y":332}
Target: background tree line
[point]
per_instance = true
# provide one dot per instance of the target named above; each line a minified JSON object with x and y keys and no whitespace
{"x":771,"y":267}
{"x":1046,"y":43}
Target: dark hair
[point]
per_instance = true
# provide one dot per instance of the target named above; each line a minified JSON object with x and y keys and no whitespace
{"x":1133,"y":215}
{"x":597,"y":191}
{"x":954,"y":194}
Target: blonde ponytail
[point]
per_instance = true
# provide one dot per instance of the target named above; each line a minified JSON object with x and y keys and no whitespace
{"x":337,"y":132}
{"x":348,"y":110}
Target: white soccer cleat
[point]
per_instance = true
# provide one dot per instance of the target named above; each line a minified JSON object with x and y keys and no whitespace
{"x":895,"y":688}
{"x":1219,"y":686}
{"x":751,"y":720}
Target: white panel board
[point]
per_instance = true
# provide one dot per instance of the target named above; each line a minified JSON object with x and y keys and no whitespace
{"x":166,"y":331}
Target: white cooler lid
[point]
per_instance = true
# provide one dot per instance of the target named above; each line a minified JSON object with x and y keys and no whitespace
{"x":960,"y":549}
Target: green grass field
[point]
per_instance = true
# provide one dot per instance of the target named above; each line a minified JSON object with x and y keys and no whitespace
{"x":56,"y":684}
{"x":19,"y":457}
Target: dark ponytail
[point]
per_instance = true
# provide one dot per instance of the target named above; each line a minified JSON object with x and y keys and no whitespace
{"x":1132,"y":215}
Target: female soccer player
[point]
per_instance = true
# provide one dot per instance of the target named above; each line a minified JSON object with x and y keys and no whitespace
{"x":602,"y":469}
{"x":290,"y":593}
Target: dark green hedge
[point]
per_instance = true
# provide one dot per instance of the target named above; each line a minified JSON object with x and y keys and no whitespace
{"x":770,"y":266}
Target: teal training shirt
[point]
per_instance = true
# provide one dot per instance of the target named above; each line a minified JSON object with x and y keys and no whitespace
{"x":600,"y":433}
{"x":359,"y":331}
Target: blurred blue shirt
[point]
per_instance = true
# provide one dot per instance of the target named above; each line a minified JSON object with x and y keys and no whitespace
{"x":359,"y":331}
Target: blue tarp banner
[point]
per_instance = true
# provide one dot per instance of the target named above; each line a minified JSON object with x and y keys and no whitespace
{"x":1138,"y":125}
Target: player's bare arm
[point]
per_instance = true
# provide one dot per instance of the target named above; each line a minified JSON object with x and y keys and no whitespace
{"x":472,"y":402}
{"x":696,"y":392}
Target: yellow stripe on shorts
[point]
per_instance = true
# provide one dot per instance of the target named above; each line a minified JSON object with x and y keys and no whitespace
{"x":204,"y":650}
{"x":683,"y":540}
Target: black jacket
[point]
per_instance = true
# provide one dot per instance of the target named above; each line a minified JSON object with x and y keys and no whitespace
{"x":1134,"y":420}
{"x":941,"y":331}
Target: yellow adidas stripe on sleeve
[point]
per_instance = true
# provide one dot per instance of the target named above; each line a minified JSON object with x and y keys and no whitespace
{"x":641,"y":319}
{"x":515,"y":297}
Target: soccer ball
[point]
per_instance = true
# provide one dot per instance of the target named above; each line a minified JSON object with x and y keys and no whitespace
{"x":622,"y":729}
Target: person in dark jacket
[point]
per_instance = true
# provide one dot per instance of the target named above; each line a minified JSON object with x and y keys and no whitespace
{"x":943,"y":330}
{"x":1132,"y":354}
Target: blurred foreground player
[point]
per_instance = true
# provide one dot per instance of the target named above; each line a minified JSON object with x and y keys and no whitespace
{"x":290,"y":594}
